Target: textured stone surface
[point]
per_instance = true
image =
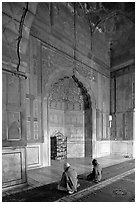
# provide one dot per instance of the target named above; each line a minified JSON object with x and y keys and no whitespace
{"x":122,"y":104}
{"x":13,"y":167}
{"x":45,"y":192}
{"x":56,"y":44}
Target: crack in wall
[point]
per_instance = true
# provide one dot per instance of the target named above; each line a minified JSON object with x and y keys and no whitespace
{"x":20,"y":33}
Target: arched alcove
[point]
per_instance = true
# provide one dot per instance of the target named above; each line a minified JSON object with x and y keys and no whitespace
{"x":68,"y":110}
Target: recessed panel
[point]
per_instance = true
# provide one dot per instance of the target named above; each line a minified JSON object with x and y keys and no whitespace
{"x":11,"y":167}
{"x":33,"y":155}
{"x":14,"y":128}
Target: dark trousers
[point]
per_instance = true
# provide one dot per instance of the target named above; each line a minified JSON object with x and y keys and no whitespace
{"x":91,"y":176}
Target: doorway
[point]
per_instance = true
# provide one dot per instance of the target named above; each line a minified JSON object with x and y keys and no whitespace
{"x":58,"y":146}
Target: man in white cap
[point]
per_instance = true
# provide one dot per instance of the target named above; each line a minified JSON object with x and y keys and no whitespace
{"x":69,"y":181}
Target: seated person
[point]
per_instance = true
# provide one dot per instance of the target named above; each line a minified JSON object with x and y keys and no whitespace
{"x":69,"y":181}
{"x":96,"y":173}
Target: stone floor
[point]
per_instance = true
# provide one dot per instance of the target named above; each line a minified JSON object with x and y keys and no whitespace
{"x":46,"y":175}
{"x":122,"y":190}
{"x":118,"y":184}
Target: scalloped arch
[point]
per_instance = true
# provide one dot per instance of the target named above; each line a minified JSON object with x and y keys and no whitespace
{"x":57,"y":75}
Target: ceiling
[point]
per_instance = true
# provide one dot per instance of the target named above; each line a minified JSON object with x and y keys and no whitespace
{"x":112,"y":27}
{"x":114,"y":23}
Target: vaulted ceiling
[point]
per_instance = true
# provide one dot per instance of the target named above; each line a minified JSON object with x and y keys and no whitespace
{"x":114,"y":23}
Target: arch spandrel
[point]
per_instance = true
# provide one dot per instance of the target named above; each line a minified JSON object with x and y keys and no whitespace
{"x":57,"y":75}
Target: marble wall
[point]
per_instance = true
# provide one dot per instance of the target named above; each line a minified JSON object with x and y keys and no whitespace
{"x":103,"y":148}
{"x":13,"y":166}
{"x":124,"y":148}
{"x":123,"y":103}
{"x":33,"y":155}
{"x":66,"y":115}
{"x":57,"y":63}
{"x":32,"y":111}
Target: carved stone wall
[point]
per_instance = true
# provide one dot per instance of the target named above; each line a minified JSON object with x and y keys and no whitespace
{"x":13,"y":167}
{"x":13,"y":111}
{"x":67,"y":73}
{"x":17,"y":18}
{"x":103,"y":108}
{"x":34,"y":93}
{"x":65,"y":115}
{"x":123,"y":103}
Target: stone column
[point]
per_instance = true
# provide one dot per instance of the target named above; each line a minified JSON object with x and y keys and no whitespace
{"x":94,"y":151}
{"x":46,"y":144}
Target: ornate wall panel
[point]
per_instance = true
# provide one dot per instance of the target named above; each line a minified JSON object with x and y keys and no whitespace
{"x":35,"y":108}
{"x":122,"y":103}
{"x":13,"y":166}
{"x":36,"y":130}
{"x":104,"y":136}
{"x":74,"y":124}
{"x":34,"y":93}
{"x":55,"y":121}
{"x":4,"y":113}
{"x":100,"y":48}
{"x":65,"y":113}
{"x":13,"y":111}
{"x":14,"y":126}
{"x":124,"y":92}
{"x":53,"y":29}
{"x":112,"y":95}
{"x":13,"y":90}
{"x":14,"y":162}
{"x":33,"y":155}
{"x":124,"y":126}
{"x":75,"y":149}
{"x":119,"y":126}
{"x":52,"y":60}
{"x":28,"y":130}
{"x":128,"y":126}
{"x":99,"y":127}
{"x":103,"y":94}
{"x":35,"y":67}
{"x":28,"y":114}
{"x":27,"y":85}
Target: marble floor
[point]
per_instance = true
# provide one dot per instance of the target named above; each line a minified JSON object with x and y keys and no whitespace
{"x":46,"y":175}
{"x":118,"y":183}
